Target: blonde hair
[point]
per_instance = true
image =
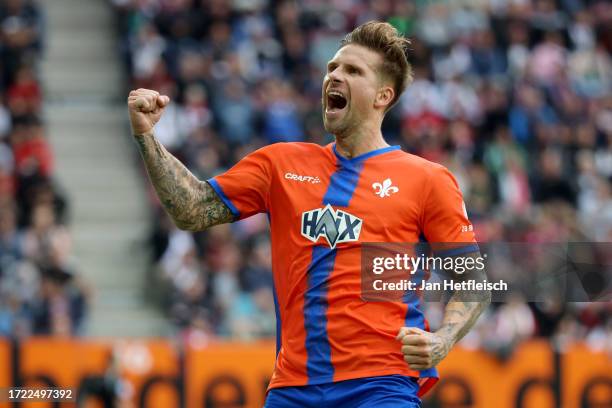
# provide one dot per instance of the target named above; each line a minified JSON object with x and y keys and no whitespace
{"x":386,"y":40}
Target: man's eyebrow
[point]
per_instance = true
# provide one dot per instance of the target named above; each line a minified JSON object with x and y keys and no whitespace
{"x":372,"y":66}
{"x":350,"y":64}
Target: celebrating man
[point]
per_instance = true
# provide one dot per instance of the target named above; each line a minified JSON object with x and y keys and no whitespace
{"x":334,"y":348}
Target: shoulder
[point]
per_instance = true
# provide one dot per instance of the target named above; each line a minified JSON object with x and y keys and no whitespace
{"x":430,"y":176}
{"x":416,"y":166}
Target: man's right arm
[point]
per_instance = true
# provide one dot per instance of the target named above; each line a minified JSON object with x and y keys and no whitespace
{"x":192,"y":204}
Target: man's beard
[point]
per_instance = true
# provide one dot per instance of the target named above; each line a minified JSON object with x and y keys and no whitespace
{"x":340,"y":127}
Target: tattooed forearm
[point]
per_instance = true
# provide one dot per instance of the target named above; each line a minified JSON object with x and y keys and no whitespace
{"x":464,"y":308}
{"x":192,"y":204}
{"x":459,"y":318}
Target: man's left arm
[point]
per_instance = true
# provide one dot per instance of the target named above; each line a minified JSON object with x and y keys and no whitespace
{"x":423,"y":349}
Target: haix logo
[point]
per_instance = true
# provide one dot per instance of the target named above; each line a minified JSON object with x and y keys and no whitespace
{"x":336,"y":226}
{"x":385,"y":189}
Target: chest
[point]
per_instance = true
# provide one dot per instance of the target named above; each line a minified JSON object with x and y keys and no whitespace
{"x":356,"y":203}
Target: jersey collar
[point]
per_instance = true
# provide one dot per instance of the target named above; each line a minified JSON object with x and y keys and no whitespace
{"x":364,"y":156}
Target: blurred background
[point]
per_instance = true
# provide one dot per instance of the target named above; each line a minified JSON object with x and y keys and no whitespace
{"x":513,"y":96}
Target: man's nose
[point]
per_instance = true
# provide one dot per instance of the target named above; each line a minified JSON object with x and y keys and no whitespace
{"x":335,"y":77}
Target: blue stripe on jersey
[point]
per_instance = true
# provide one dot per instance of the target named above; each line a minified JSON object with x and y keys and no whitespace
{"x":319,"y":367}
{"x":414,"y":315}
{"x":462,"y":250}
{"x":342,"y":185}
{"x":279,"y":326}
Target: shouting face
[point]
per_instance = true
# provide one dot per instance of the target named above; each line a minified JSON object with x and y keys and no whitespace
{"x":353,"y":90}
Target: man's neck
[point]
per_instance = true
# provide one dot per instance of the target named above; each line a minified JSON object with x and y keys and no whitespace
{"x":359,"y":143}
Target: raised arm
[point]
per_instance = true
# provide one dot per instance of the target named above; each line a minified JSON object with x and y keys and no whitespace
{"x":192,"y":204}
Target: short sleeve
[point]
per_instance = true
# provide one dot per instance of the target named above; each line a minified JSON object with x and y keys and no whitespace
{"x":445,"y":219}
{"x":245,"y":187}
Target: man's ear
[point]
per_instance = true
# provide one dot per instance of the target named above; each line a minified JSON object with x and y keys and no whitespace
{"x":384,"y":97}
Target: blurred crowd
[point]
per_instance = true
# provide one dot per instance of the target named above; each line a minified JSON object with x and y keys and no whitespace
{"x":40,"y":292}
{"x":514,"y":96}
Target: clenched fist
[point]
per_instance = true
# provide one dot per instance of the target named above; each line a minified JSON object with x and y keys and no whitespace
{"x":145,"y":107}
{"x":422,"y":349}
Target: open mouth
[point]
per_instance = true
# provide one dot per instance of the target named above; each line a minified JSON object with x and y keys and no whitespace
{"x":335,"y":101}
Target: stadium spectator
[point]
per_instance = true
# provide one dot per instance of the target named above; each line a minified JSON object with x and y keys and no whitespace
{"x":40,"y":291}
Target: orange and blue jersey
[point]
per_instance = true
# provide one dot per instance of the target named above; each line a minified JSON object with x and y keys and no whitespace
{"x":321,"y":206}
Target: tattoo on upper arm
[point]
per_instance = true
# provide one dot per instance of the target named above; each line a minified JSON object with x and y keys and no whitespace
{"x":192,"y":204}
{"x":216,"y":212}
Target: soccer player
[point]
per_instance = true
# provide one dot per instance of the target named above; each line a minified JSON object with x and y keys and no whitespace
{"x":333,"y":348}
